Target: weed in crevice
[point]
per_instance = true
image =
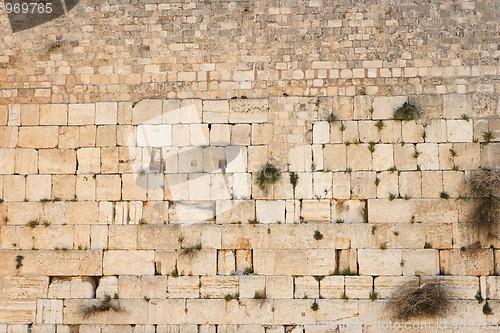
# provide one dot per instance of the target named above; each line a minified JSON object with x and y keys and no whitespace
{"x":444,"y":195}
{"x":339,"y":221}
{"x":479,"y":298}
{"x":487,"y":137}
{"x":253,"y":221}
{"x":260,"y":294}
{"x":406,"y":197}
{"x":374,"y":228}
{"x":416,"y":154}
{"x":190,"y":250}
{"x":379,"y":124}
{"x":383,"y":246}
{"x":427,"y":245}
{"x":453,"y":153}
{"x":465,"y":117}
{"x":373,"y":295}
{"x":487,"y":310}
{"x":407,"y":111}
{"x":106,"y":304}
{"x":32,"y":223}
{"x":377,"y":181}
{"x":395,"y":233}
{"x":331,"y":118}
{"x":230,"y":297}
{"x":392,"y":169}
{"x":318,"y":235}
{"x":392,"y":196}
{"x":174,"y":273}
{"x":268,"y":175}
{"x":344,"y":296}
{"x":455,"y":167}
{"x":371,"y":146}
{"x":294,"y":179}
{"x":248,"y":271}
{"x":344,"y":271}
{"x":315,"y":306}
{"x":19,"y":261}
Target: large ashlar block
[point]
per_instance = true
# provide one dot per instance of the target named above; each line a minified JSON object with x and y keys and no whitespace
{"x":57,"y":161}
{"x":9,"y":136}
{"x":349,"y":211}
{"x":351,"y":132}
{"x":133,"y":312}
{"x":335,"y":157}
{"x":384,"y":210}
{"x":421,"y":262}
{"x":383,"y":157}
{"x":38,"y":137}
{"x":81,"y":114}
{"x":469,"y":262}
{"x":49,"y":311}
{"x":363,"y":185}
{"x":108,"y":285}
{"x":128,"y":263}
{"x":412,"y":131}
{"x":202,"y":262}
{"x":87,"y":135}
{"x":122,"y":237}
{"x":218,"y":286}
{"x":388,"y":184}
{"x":134,"y":187}
{"x":17,"y":311}
{"x":229,"y":211}
{"x":384,"y":106}
{"x":26,"y":161}
{"x":38,"y":187}
{"x":183,"y":287}
{"x":220,"y":135}
{"x":106,"y":136}
{"x":359,"y":157}
{"x":73,"y":287}
{"x":410,"y":183}
{"x":147,"y":111}
{"x":199,"y":135}
{"x":320,"y":261}
{"x":262,"y":134}
{"x":89,"y":160}
{"x":380,"y":262}
{"x":459,"y":130}
{"x":24,"y":287}
{"x":456,"y":105}
{"x":199,"y":186}
{"x":53,"y":114}
{"x":226,"y":262}
{"x":468,"y":155}
{"x":306,"y":287}
{"x":368,"y":132}
{"x":279,"y":287}
{"x":300,"y":158}
{"x":251,"y":286}
{"x":321,"y":132}
{"x":215,"y":111}
{"x":180,"y":135}
{"x":428,"y":156}
{"x":436,"y":131}
{"x":205,"y":311}
{"x":190,"y":111}
{"x":7,"y":160}
{"x":189,"y":212}
{"x":55,"y":237}
{"x":291,"y":262}
{"x":403,"y":157}
{"x":20,"y":213}
{"x":358,"y":286}
{"x":435,"y":211}
{"x":432,"y":184}
{"x":248,"y":111}
{"x":493,"y":287}
{"x":241,"y":134}
{"x":270,"y":211}
{"x":106,"y":113}
{"x":332,"y":286}
{"x":154,"y":286}
{"x":315,"y":210}
{"x":154,"y":135}
{"x":341,"y":185}
{"x":108,"y":187}
{"x":387,"y":285}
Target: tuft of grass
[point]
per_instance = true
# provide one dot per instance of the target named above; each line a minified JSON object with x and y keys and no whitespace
{"x":342,"y":127}
{"x":268,"y":175}
{"x":427,"y":245}
{"x":465,"y":117}
{"x":106,"y":304}
{"x":410,"y":301}
{"x":479,"y":298}
{"x":455,"y":167}
{"x":174,"y":273}
{"x":230,"y":297}
{"x":487,"y":310}
{"x":379,"y":124}
{"x":19,"y":261}
{"x":344,"y":296}
{"x":248,"y":271}
{"x":484,"y":186}
{"x":488,"y":136}
{"x":339,"y":221}
{"x":444,"y":195}
{"x":315,"y":306}
{"x":190,"y":250}
{"x":373,"y":295}
{"x":377,"y":181}
{"x":374,"y":228}
{"x":416,"y":154}
{"x":253,"y":221}
{"x":260,"y":294}
{"x":32,"y":223}
{"x":392,"y":196}
{"x":142,"y":221}
{"x":395,"y":233}
{"x":407,"y":111}
{"x":331,"y":118}
{"x":453,"y":153}
{"x":45,"y":200}
{"x":371,"y":146}
{"x":294,"y":179}
{"x":383,"y":246}
{"x":392,"y":169}
{"x":344,"y":271}
{"x":407,"y":197}
{"x":318,"y":235}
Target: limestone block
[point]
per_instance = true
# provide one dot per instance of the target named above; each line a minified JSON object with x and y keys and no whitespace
{"x":436,"y":131}
{"x":490,"y":155}
{"x":122,"y":237}
{"x":436,"y":211}
{"x":300,"y":158}
{"x":262,"y":134}
{"x":279,"y":287}
{"x":229,"y":211}
{"x":183,"y":287}
{"x":199,"y":135}
{"x":38,"y":187}
{"x":454,"y":183}
{"x":199,"y":186}
{"x":69,"y":137}
{"x":321,"y":132}
{"x":53,"y":114}
{"x":315,"y":210}
{"x":322,"y":184}
{"x":147,"y":111}
{"x":432,"y":184}
{"x":368,"y":132}
{"x":191,"y":111}
{"x":383,"y":157}
{"x":226,"y":262}
{"x":108,"y":285}
{"x":106,"y":113}
{"x":243,"y":260}
{"x":20,"y":213}
{"x":17,"y":311}
{"x":180,"y":135}
{"x":335,"y":157}
{"x":167,"y":311}
{"x":263,"y":260}
{"x":349,"y":211}
{"x":380,"y":262}
{"x":257,"y":157}
{"x":240,"y":134}
{"x":332,"y":286}
{"x":469,"y":262}
{"x":388,"y":184}
{"x":459,"y":130}
{"x":55,"y":237}
{"x":190,"y":159}
{"x":128,"y":262}
{"x":320,"y":261}
{"x":341,"y":185}
{"x":351,"y":132}
{"x":220,"y":135}
{"x":56,"y":161}
{"x":134,"y":187}
{"x":428,"y":158}
{"x":358,"y":286}
{"x":386,"y":285}
{"x":493,"y":287}
{"x":412,"y":131}
{"x":218,"y":286}
{"x":215,"y":111}
{"x":109,"y":160}
{"x":304,"y":188}
{"x":460,"y":287}
{"x":106,"y":136}
{"x":7,"y":160}
{"x":49,"y":311}
{"x":85,"y":187}
{"x":384,"y":106}
{"x":81,"y":114}
{"x":133,"y":312}
{"x":391,"y":132}
{"x":88,"y":160}
{"x":87,"y":136}
{"x":9,"y":136}
{"x":468,"y":155}
{"x":203,"y":262}
{"x":291,"y":262}
{"x":336,"y":132}
{"x":439,"y":235}
{"x":38,"y":137}
{"x":74,"y":287}
{"x":248,"y":111}
{"x":421,"y":262}
{"x":270,"y":211}
{"x":26,"y":161}
{"x":455,"y":105}
{"x":384,"y":210}
{"x":172,"y":110}
{"x":363,"y":185}
{"x":14,"y":188}
{"x":205,"y":311}
{"x":252,"y":286}
{"x":410,"y":184}
{"x":306,"y":287}
{"x":188,"y":212}
{"x":154,"y":135}
{"x":20,"y":287}
{"x":154,"y":286}
{"x":108,"y":187}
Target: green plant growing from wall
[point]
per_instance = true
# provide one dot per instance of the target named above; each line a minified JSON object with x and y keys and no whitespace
{"x":487,"y":137}
{"x":315,"y":306}
{"x":407,"y":111}
{"x":190,"y":250}
{"x":484,"y":185}
{"x":379,"y":125}
{"x":318,"y":235}
{"x":106,"y":304}
{"x":294,"y":179}
{"x":19,"y":261}
{"x":487,"y":310}
{"x":373,"y":295}
{"x":268,"y":175}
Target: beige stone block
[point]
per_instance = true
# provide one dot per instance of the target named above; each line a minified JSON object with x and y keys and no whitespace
{"x":74,"y":287}
{"x":122,"y":237}
{"x":190,"y":111}
{"x":248,"y":111}
{"x":380,"y":262}
{"x":421,"y":262}
{"x":348,"y":211}
{"x":17,"y":311}
{"x":228,"y":211}
{"x":53,"y":237}
{"x":279,"y":287}
{"x":358,"y":286}
{"x":226,"y":262}
{"x":243,"y":260}
{"x":384,"y":106}
{"x":252,"y":286}
{"x":20,"y":213}
{"x":109,"y":160}
{"x":341,"y":185}
{"x":468,"y":155}
{"x":263,"y":260}
{"x":38,"y":137}
{"x":258,"y":157}
{"x":270,"y":211}
{"x":81,"y":114}
{"x":321,"y":261}
{"x":436,"y":131}
{"x":74,"y":212}
{"x":436,"y":211}
{"x":30,"y":115}
{"x":383,"y":157}
{"x":106,"y":136}
{"x":87,"y":135}
{"x":99,"y":237}
{"x":85,"y":187}
{"x":171,"y":111}
{"x":134,"y":187}
{"x":4,"y":113}
{"x":493,"y":287}
{"x":154,"y":135}
{"x":391,"y":132}
{"x":190,"y":160}
{"x":53,"y":114}
{"x":410,"y":184}
{"x":335,"y":157}
{"x":363,"y":185}
{"x":315,"y":210}
{"x":189,"y":212}
{"x":88,"y":160}
{"x":128,"y":262}
{"x":490,"y":155}
{"x":291,"y":262}
{"x":7,"y":160}
{"x":56,"y":161}
{"x":336,"y":132}
{"x":108,"y":187}
{"x":206,"y":311}
{"x":241,"y":134}
{"x":368,"y":132}
{"x":147,"y":111}
{"x":203,"y":262}
{"x":108,"y":285}
{"x":388,"y":184}
{"x":469,"y":262}
{"x":387,"y":285}
{"x":300,"y":158}
{"x":220,"y":134}
{"x":106,"y":113}
{"x":154,"y":287}
{"x":412,"y":131}
{"x":218,"y":286}
{"x":26,"y":161}
{"x":459,"y":130}
{"x":199,"y":186}
{"x":455,"y":105}
{"x":359,"y":157}
{"x":321,"y":132}
{"x":432,"y":184}
{"x":306,"y":287}
{"x":9,"y":136}
{"x":133,"y":313}
{"x":14,"y":188}
{"x":215,"y":111}
{"x":351,"y":131}
{"x":262,"y":134}
{"x":454,"y":183}
{"x":69,"y":137}
{"x":24,"y":287}
{"x":332,"y":286}
{"x":199,"y":135}
{"x":428,"y":156}
{"x":183,"y":287}
{"x":49,"y":311}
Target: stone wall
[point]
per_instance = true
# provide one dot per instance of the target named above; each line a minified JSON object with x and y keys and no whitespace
{"x":132,"y":135}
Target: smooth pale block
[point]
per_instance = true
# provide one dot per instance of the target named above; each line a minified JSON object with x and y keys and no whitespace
{"x":321,"y":132}
{"x":270,"y":211}
{"x":380,"y":262}
{"x":459,"y":130}
{"x":154,"y":135}
{"x":124,"y":262}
